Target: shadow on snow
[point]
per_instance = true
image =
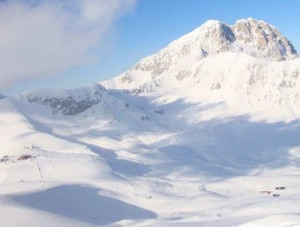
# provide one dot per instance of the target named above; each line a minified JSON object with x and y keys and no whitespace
{"x":82,"y":203}
{"x":220,"y":147}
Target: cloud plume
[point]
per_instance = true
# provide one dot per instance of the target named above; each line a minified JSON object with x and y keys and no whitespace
{"x":40,"y":38}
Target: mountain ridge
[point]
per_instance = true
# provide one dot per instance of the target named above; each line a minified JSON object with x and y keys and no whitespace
{"x":212,"y":141}
{"x":246,"y":82}
{"x":263,"y":41}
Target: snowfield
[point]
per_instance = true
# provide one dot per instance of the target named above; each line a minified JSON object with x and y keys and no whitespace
{"x":208,"y":142}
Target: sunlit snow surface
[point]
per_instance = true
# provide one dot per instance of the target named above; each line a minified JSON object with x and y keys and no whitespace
{"x":160,"y":158}
{"x":194,"y":140}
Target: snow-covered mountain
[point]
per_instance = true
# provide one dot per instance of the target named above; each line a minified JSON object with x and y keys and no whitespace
{"x":203,"y":133}
{"x":255,"y":38}
{"x":67,"y":102}
{"x":249,"y":66}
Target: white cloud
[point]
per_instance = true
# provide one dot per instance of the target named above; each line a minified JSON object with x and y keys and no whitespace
{"x":40,"y":38}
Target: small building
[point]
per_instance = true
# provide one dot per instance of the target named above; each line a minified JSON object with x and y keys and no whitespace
{"x":25,"y":157}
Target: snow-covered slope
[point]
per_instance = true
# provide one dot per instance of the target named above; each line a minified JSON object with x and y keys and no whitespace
{"x":249,"y":66}
{"x":243,"y":83}
{"x":206,"y":133}
{"x":67,"y":102}
{"x":255,"y":38}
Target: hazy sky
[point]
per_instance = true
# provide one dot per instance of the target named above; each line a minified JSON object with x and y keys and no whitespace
{"x":70,"y":43}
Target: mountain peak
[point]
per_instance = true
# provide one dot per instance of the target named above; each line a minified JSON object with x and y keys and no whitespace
{"x":250,"y":20}
{"x":264,"y":38}
{"x":211,"y":23}
{"x":255,"y":38}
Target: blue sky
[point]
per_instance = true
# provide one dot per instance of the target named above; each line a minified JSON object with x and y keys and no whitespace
{"x":149,"y":25}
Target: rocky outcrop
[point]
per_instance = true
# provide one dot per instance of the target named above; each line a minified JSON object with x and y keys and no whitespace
{"x":70,"y":102}
{"x":260,"y":36}
{"x":66,"y":106}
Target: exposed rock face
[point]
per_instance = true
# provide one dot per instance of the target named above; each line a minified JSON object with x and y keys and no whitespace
{"x":67,"y":106}
{"x":72,"y":103}
{"x":261,"y":36}
{"x":253,"y":37}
